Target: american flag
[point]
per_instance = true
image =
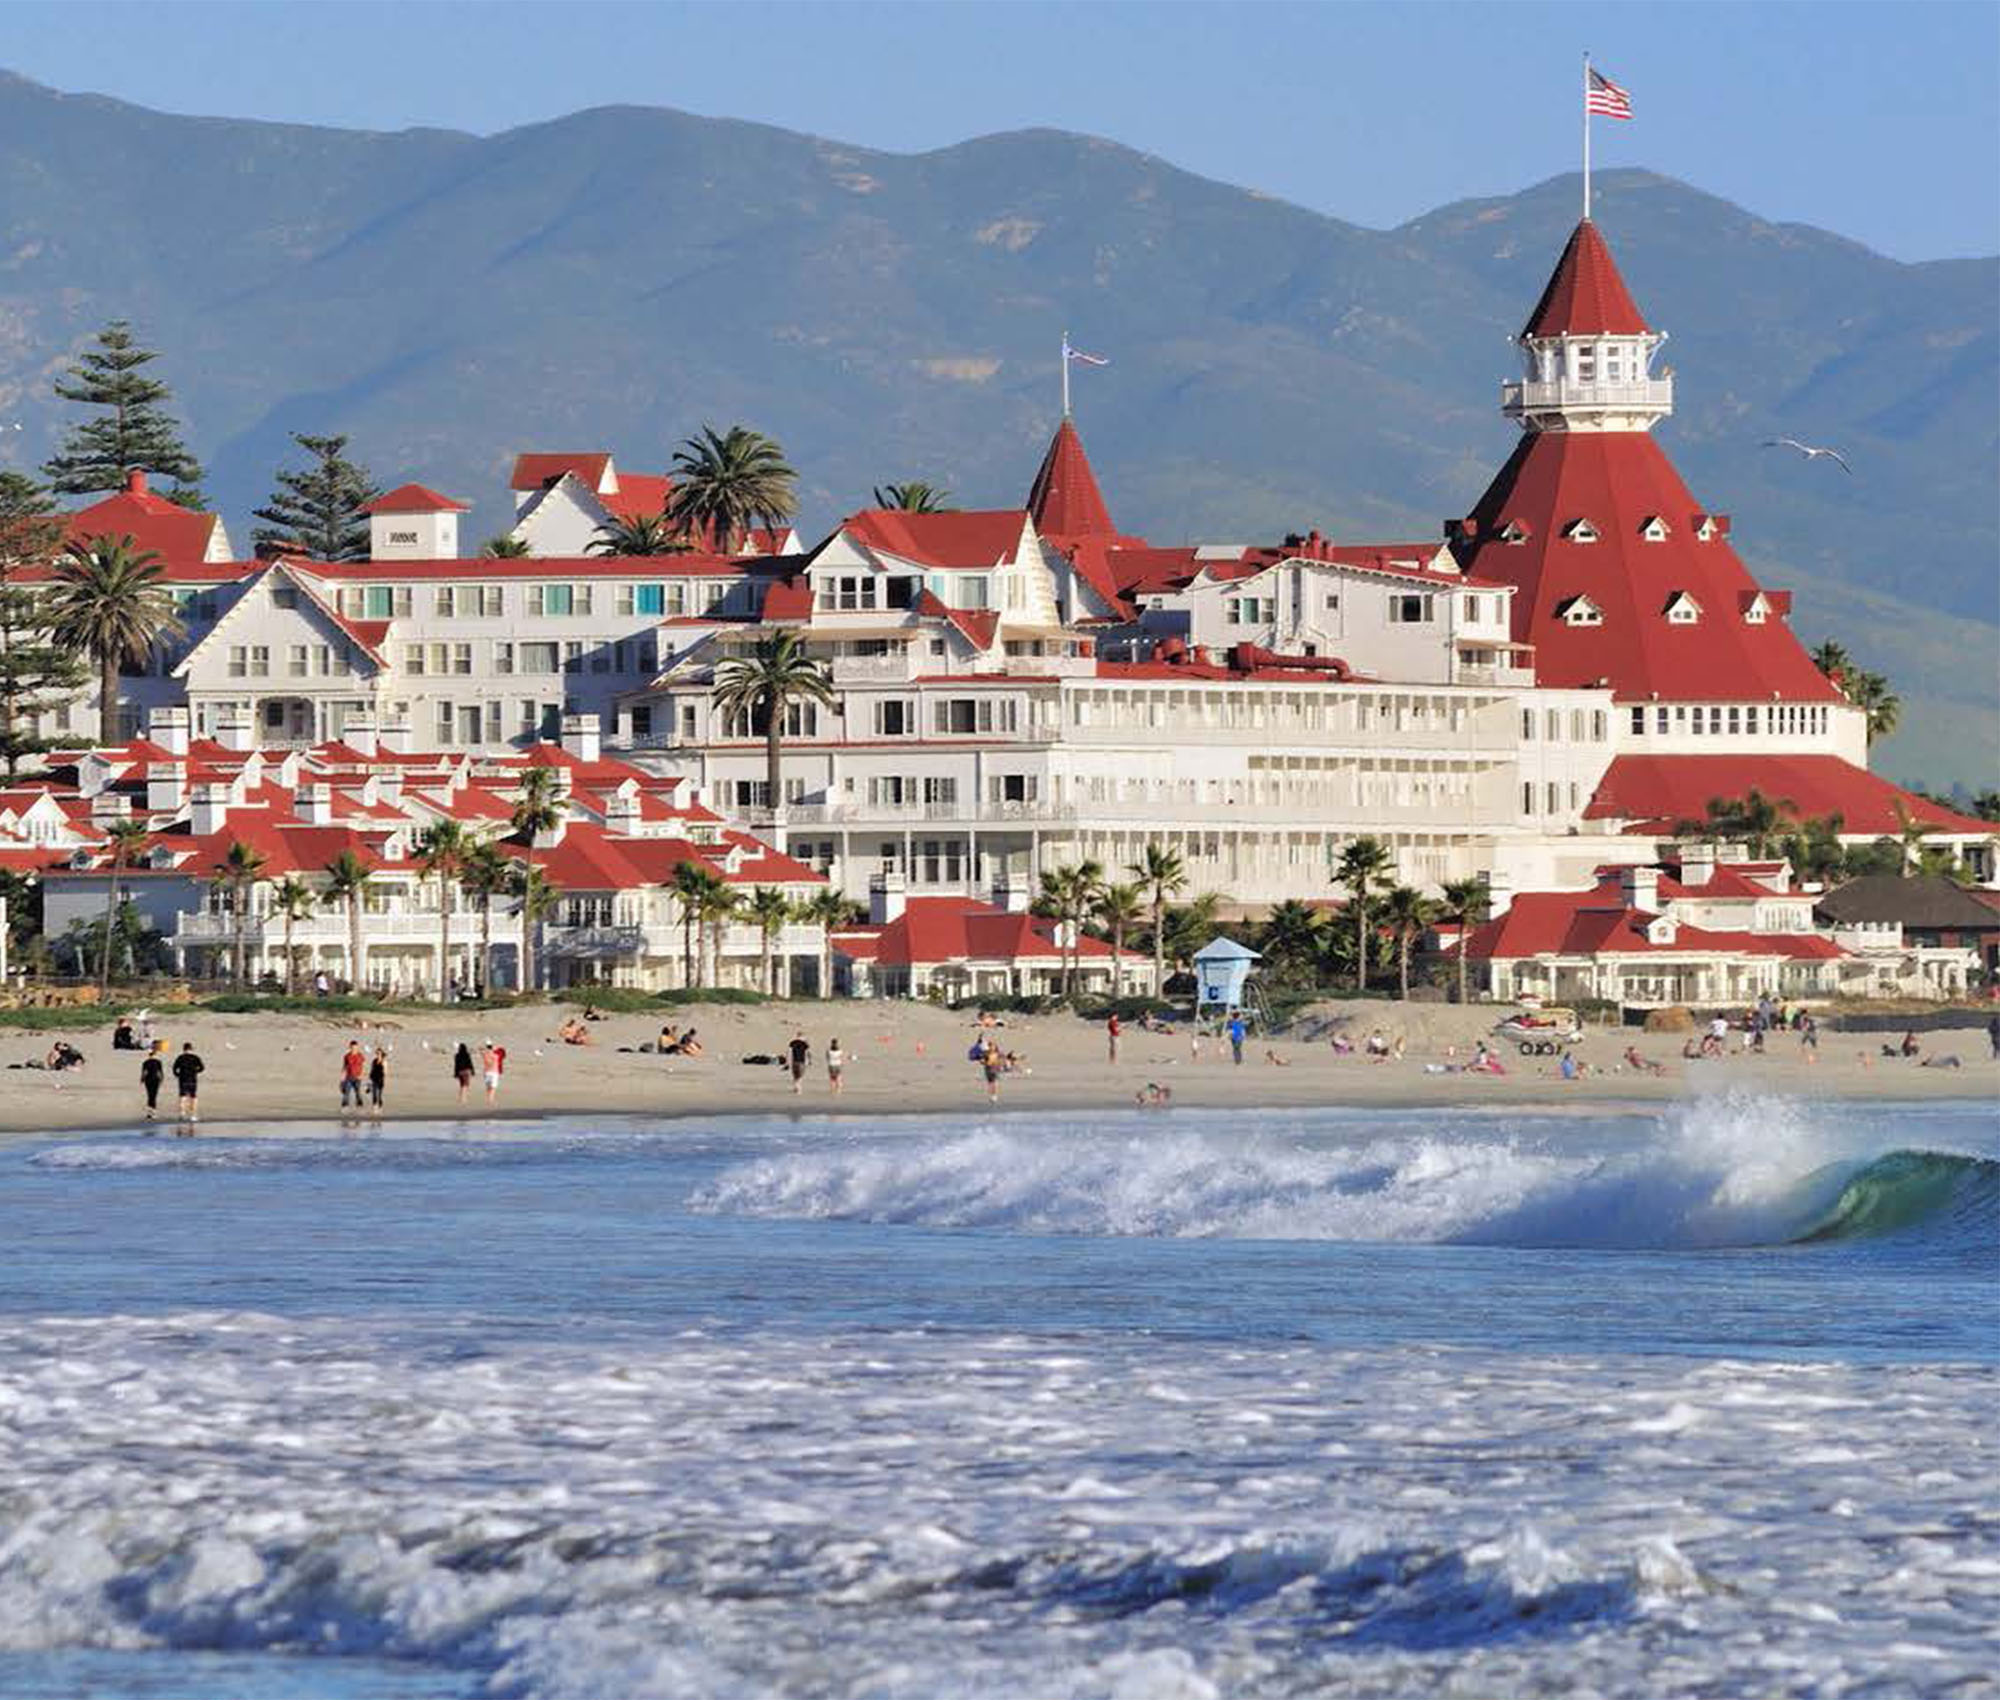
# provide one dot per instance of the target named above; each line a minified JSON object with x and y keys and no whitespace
{"x":1086,"y":359}
{"x":1605,"y":98}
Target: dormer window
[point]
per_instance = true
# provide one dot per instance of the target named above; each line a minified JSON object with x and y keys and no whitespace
{"x":80,"y":859}
{"x":1654,"y":530}
{"x":1661,"y":930}
{"x":1514,"y":532}
{"x":1579,"y":611}
{"x":1708,"y":527}
{"x":1580,"y":531}
{"x":1682,"y":609}
{"x":1757,"y":610}
{"x":160,"y":857}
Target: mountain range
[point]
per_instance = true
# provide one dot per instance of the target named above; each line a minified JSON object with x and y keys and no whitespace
{"x":615,"y":278}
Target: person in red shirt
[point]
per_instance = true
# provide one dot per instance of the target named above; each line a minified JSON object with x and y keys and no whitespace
{"x":353,"y":1073}
{"x":1111,"y":1032}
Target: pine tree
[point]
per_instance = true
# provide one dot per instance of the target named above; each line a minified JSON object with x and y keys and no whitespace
{"x":134,"y":432}
{"x":35,"y":675}
{"x":317,"y":513}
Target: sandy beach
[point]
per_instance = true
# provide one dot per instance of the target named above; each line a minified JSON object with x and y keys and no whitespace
{"x":266,"y":1069}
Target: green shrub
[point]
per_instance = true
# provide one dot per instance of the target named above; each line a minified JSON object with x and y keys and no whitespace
{"x":44,"y":1020}
{"x":630,"y":1000}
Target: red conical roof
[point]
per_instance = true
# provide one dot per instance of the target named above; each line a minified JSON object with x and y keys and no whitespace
{"x":1064,"y":499}
{"x":1586,"y":296}
{"x":1622,"y":483}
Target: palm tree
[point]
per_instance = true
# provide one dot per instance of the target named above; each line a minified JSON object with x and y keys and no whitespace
{"x":1467,"y":902}
{"x":639,"y":534}
{"x":1365,"y":860}
{"x":826,"y":909}
{"x":538,"y":896}
{"x":1408,"y":912}
{"x":1068,"y":897}
{"x":1870,"y":693}
{"x":726,"y":483}
{"x":1118,"y":909}
{"x":693,"y":886}
{"x":1833,"y":660}
{"x":108,"y":603}
{"x":484,"y":873}
{"x":1191,"y":925}
{"x":769,"y":910}
{"x":915,"y":497}
{"x":238,"y":871}
{"x":1161,"y":875}
{"x":1755,"y":819}
{"x":1292,"y":935}
{"x":295,"y":901}
{"x":718,"y":903}
{"x":441,"y":852}
{"x":347,"y":878}
{"x":763,"y":685}
{"x":504,"y":548}
{"x":538,"y":808}
{"x":122,"y":839}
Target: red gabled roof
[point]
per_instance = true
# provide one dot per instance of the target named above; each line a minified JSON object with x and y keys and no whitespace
{"x":178,"y":535}
{"x":532,"y":471}
{"x":413,"y":499}
{"x":935,"y":930}
{"x":1614,"y":479}
{"x":1064,"y":499}
{"x":972,"y":540}
{"x":976,"y":625}
{"x":1600,"y":923}
{"x":640,"y":495}
{"x":1661,"y":791}
{"x":1585,"y":294}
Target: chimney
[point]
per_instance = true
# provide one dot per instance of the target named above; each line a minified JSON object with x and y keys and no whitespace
{"x":358,"y":733}
{"x":394,"y":738}
{"x":166,"y":786}
{"x":233,"y":730}
{"x":1697,"y":864}
{"x":1642,"y":888}
{"x":1010,"y":892}
{"x":1499,"y":892}
{"x":135,"y":481}
{"x":209,"y":810}
{"x":581,"y":736}
{"x":315,"y":804}
{"x":621,"y":811}
{"x":885,"y":897}
{"x":168,"y":727}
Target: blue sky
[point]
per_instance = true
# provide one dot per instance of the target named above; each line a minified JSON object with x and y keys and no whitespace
{"x":1880,"y":121}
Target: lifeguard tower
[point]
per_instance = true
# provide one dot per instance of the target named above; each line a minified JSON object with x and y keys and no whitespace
{"x":1222,"y":974}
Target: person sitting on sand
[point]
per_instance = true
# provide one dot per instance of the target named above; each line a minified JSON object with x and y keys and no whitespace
{"x":1378,"y":1046}
{"x":690,"y":1046}
{"x":1909,"y":1046}
{"x":1342,"y":1045}
{"x":1642,"y":1065}
{"x":123,"y":1038}
{"x":1569,"y":1068}
{"x":669,"y":1041}
{"x":1484,"y":1062}
{"x":1275,"y":1060}
{"x":573,"y":1032}
{"x":590,"y":1012}
{"x":1947,"y":1060}
{"x":63,"y":1055}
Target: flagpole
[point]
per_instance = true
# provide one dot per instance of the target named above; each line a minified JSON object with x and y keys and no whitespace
{"x":1065,"y":367}
{"x":1586,"y":138}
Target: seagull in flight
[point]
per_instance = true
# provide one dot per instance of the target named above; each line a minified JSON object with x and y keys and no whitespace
{"x":1810,"y":452}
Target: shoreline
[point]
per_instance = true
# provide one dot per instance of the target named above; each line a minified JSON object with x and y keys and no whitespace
{"x":911,"y":1059}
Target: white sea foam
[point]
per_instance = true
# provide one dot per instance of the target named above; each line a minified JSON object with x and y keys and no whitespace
{"x":1720,"y":1172}
{"x":915,"y":1514}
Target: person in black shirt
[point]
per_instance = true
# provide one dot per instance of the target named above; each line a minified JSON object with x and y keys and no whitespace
{"x":798,"y":1051}
{"x":152,"y":1075}
{"x":187,"y":1076}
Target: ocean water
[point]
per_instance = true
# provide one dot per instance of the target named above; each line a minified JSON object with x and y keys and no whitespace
{"x":1152,"y":1406}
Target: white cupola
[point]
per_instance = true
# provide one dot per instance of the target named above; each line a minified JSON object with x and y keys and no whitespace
{"x":1588,"y":351}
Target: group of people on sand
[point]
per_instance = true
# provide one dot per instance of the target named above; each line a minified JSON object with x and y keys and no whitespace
{"x":993,"y":1061}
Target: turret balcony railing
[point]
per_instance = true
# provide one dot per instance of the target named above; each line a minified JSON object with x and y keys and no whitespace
{"x":1533,"y":395}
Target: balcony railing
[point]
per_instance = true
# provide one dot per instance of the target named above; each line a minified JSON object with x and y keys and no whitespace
{"x":1527,"y":395}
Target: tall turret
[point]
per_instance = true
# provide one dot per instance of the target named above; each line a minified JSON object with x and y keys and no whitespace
{"x":1588,"y":351}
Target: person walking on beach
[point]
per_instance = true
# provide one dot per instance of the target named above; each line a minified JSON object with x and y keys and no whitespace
{"x":492,"y":1064}
{"x":989,"y":1063}
{"x":353,"y":1070}
{"x":1237,"y":1030}
{"x":797,"y":1054}
{"x":1111,"y":1032}
{"x":152,"y":1075}
{"x":461,"y":1069}
{"x":378,"y":1077}
{"x":1993,"y":1035}
{"x":187,"y":1077}
{"x":836,"y":1064}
